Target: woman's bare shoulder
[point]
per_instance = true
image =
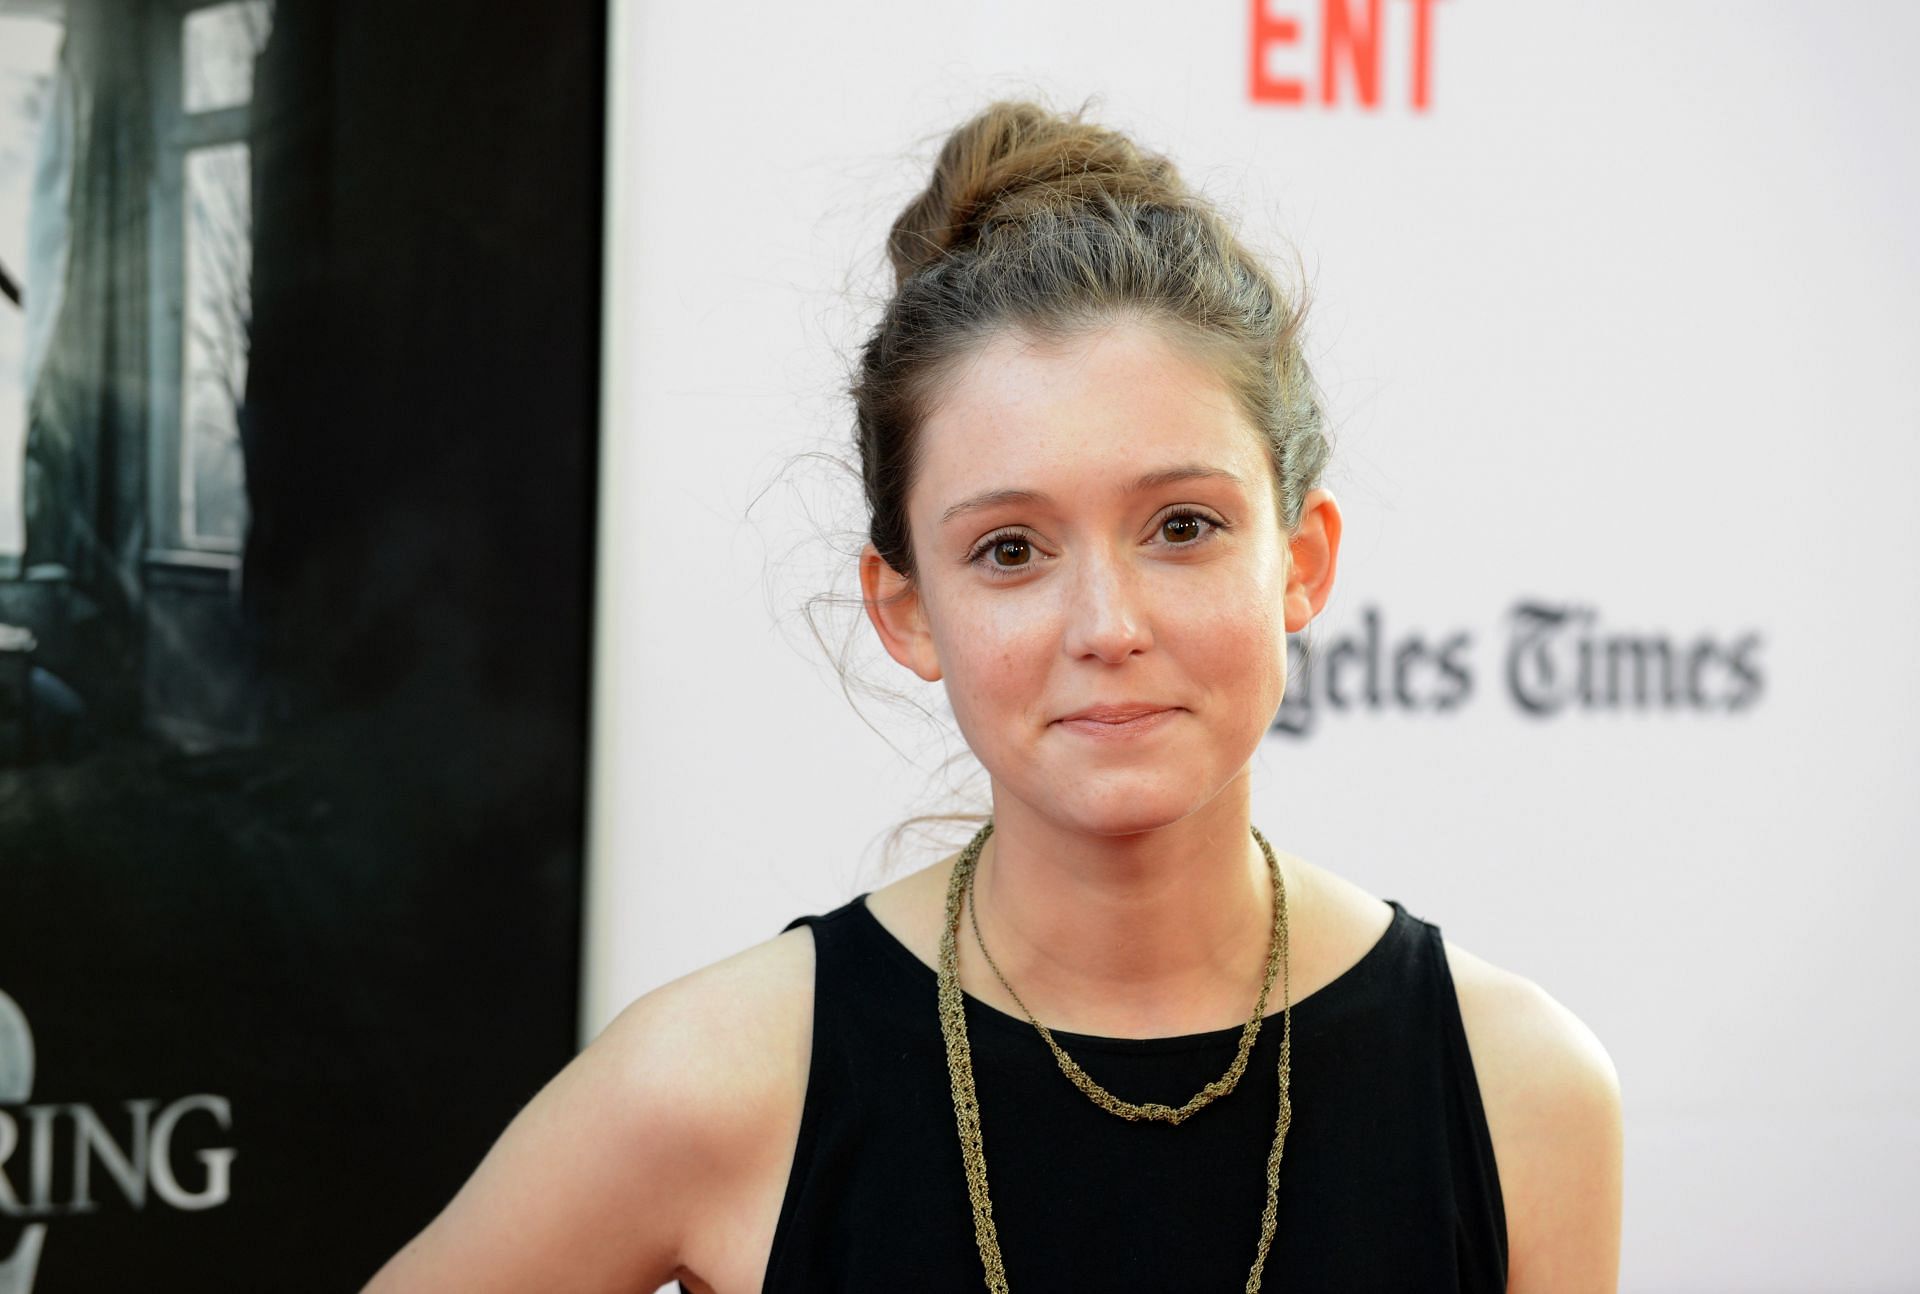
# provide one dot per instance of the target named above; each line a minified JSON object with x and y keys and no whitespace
{"x":773,"y":975}
{"x":724,"y":1041}
{"x":658,"y":1151}
{"x":1552,"y":1101}
{"x":1521,"y":1036}
{"x":719,"y":1058}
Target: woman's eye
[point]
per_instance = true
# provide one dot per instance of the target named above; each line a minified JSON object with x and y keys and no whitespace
{"x":996,"y":545}
{"x":1187,"y":523}
{"x":1012,"y":553}
{"x":1188,"y":528}
{"x":1012,"y":545}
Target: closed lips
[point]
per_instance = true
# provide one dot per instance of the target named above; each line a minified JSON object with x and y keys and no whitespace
{"x":1116,"y":713}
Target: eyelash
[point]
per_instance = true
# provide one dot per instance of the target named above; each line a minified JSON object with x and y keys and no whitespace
{"x":982,"y":551}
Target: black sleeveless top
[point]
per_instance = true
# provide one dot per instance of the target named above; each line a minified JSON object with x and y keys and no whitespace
{"x":1387,"y":1182}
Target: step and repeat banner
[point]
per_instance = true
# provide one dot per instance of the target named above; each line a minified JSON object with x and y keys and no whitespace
{"x":1613,"y":307}
{"x":298,"y":421}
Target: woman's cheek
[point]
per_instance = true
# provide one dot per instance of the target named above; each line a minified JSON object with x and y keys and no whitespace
{"x":984,"y":690}
{"x":1240,"y":650}
{"x":997,"y":684}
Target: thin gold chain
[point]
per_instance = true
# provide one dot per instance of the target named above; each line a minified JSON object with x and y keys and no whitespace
{"x":1150,"y":1110}
{"x":966,"y":1103}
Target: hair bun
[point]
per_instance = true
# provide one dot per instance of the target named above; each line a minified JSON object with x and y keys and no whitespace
{"x":1014,"y":157}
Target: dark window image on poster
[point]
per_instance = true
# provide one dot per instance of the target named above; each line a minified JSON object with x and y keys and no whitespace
{"x":299,"y":334}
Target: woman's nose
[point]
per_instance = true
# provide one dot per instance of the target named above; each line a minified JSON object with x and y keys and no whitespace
{"x":1106,"y":616}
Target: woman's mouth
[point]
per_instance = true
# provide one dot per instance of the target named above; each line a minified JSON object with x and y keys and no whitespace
{"x":1118,"y":723}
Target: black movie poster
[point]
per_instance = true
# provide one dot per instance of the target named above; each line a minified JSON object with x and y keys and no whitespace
{"x":299,"y":321}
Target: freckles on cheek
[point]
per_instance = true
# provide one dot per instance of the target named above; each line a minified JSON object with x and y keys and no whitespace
{"x":1000,"y":663}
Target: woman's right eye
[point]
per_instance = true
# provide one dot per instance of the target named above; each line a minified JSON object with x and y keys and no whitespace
{"x":1012,"y":541}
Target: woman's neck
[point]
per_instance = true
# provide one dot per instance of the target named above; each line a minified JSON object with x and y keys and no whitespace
{"x":1156,"y":934}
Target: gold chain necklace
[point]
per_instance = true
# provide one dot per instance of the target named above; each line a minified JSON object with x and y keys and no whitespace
{"x":966,"y":1104}
{"x":1151,"y":1110}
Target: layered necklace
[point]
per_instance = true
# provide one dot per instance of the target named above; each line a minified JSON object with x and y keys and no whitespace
{"x":966,"y":1105}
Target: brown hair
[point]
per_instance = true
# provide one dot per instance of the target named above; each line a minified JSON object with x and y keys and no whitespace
{"x":1046,"y":223}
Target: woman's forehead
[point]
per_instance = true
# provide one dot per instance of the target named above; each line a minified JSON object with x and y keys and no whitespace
{"x":1100,"y":409}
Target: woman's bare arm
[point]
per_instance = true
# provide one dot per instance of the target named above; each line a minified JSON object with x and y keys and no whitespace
{"x":598,"y":1183}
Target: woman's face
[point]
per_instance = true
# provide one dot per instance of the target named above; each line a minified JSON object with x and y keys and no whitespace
{"x":1093,"y":524}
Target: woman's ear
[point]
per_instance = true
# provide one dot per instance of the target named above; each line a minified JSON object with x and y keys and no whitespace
{"x":893,"y":605}
{"x":1315,"y":549}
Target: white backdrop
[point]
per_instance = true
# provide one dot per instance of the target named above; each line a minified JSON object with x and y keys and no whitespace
{"x":1621,"y":326}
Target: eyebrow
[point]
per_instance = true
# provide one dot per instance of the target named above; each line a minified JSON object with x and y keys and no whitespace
{"x":1164,"y":476}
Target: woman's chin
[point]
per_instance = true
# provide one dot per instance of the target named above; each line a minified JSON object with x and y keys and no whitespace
{"x":1128,"y":810}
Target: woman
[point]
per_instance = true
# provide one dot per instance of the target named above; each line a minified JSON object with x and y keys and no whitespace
{"x":1091,"y":451}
